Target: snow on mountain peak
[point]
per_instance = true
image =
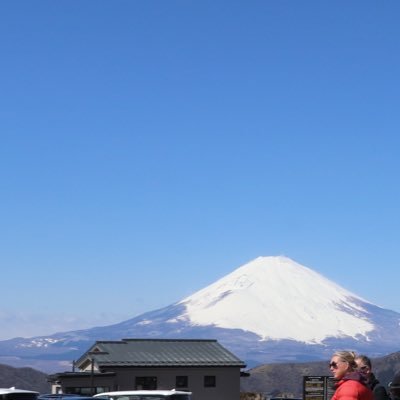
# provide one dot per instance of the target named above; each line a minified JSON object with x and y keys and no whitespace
{"x":277,"y":298}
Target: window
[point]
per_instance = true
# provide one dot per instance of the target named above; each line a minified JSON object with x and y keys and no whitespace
{"x":86,"y":390}
{"x":146,"y":383}
{"x":181,"y":382}
{"x":210,"y":381}
{"x":102,"y":389}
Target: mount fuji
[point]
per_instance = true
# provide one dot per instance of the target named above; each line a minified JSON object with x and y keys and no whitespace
{"x":271,"y":309}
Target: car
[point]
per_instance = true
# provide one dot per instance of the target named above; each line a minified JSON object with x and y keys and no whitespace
{"x":63,"y":396}
{"x":145,"y":395}
{"x":56,"y":396}
{"x":17,"y":394}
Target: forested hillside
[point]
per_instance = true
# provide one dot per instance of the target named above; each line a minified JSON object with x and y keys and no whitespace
{"x":286,"y":379}
{"x":23,"y":378}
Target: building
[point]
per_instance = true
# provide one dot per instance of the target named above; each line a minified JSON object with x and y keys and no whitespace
{"x":203,"y":367}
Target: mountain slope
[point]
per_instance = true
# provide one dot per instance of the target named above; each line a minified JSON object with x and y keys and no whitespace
{"x":278,"y":291}
{"x":271,"y":309}
{"x":278,"y":379}
{"x":23,"y":378}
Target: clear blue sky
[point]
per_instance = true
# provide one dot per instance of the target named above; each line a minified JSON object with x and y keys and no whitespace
{"x":149,"y":148}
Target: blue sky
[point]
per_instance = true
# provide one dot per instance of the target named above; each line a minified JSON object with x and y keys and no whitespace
{"x":149,"y":148}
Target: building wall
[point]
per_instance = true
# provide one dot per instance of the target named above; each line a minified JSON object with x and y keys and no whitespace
{"x":85,"y":382}
{"x":227,"y":380}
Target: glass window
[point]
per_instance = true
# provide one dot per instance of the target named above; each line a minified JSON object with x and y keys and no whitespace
{"x":146,"y":383}
{"x":210,"y":381}
{"x":181,"y":382}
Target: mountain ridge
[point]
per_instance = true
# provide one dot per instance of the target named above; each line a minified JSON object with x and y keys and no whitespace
{"x":271,"y":309}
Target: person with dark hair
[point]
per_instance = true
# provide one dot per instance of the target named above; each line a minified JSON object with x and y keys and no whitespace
{"x":350,"y":383}
{"x":364,"y":365}
{"x":394,"y":387}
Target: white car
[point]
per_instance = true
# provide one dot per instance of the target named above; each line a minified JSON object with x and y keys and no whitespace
{"x":145,"y":395}
{"x":17,"y":394}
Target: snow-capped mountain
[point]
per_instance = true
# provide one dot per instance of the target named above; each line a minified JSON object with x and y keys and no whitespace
{"x":269,"y":310}
{"x":287,"y":301}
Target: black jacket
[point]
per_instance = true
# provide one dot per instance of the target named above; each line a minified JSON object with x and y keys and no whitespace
{"x":379,"y":390}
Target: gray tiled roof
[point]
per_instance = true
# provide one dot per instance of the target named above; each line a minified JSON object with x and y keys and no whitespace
{"x":161,"y":352}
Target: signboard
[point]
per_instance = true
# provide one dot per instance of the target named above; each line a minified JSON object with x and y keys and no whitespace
{"x":318,"y":387}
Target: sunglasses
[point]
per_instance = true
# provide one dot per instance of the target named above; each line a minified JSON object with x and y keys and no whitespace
{"x":334,"y":364}
{"x":364,"y":368}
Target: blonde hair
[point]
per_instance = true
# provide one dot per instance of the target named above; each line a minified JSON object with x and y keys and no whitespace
{"x":349,"y":357}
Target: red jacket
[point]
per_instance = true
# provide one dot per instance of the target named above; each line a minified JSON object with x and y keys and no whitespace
{"x":352,"y":387}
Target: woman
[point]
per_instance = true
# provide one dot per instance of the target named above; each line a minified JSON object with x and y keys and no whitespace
{"x":350,"y":383}
{"x":364,"y":365}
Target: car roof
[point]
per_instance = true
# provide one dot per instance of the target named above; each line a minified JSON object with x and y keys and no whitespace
{"x":14,"y":390}
{"x":63,"y":396}
{"x":58,"y":395}
{"x":141,"y":392}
